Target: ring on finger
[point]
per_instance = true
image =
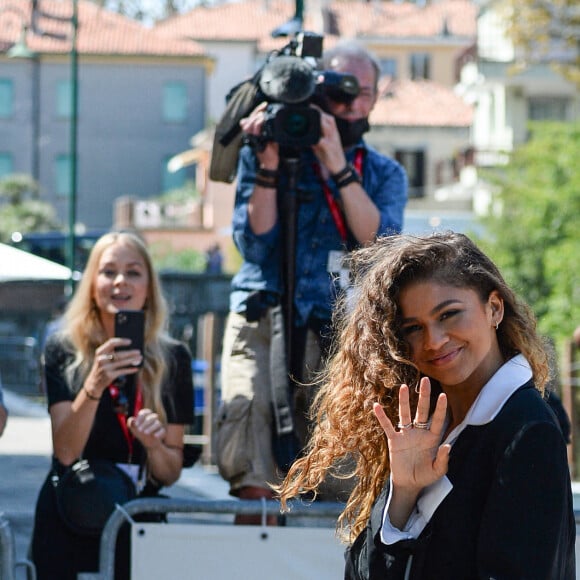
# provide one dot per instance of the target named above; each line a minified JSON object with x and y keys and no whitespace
{"x":406,"y":426}
{"x":422,"y":424}
{"x":110,"y":356}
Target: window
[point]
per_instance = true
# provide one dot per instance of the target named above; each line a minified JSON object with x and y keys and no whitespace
{"x":172,"y":180}
{"x":62,"y":172}
{"x":420,"y":66}
{"x":547,"y":108}
{"x":175,"y":102}
{"x":63,"y":100}
{"x":389,"y":67}
{"x":6,"y":98}
{"x":414,"y":164}
{"x":6,"y":164}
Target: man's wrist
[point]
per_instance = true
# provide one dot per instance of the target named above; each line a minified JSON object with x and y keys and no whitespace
{"x":345,"y":176}
{"x":267,"y":178}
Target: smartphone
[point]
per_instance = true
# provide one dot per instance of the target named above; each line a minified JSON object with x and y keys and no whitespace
{"x":131,"y":324}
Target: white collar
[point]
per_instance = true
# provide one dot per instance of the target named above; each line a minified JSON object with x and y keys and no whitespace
{"x":491,"y":399}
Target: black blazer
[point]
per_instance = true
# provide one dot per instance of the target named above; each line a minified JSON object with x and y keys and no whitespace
{"x":509,"y":515}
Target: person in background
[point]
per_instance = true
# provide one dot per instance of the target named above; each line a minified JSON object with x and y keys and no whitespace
{"x":55,"y":322}
{"x":435,"y":385}
{"x":348,"y":194}
{"x":214,"y":260}
{"x":140,"y":425}
{"x":3,"y":411}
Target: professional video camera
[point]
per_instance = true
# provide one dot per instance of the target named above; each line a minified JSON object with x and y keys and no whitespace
{"x":289,"y":82}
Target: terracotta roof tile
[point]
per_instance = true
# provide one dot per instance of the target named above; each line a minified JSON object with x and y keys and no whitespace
{"x":100,"y":32}
{"x":453,"y":17}
{"x":420,"y":104}
{"x":255,"y":19}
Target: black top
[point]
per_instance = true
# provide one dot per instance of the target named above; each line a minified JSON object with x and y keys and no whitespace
{"x":509,"y":515}
{"x":106,"y":440}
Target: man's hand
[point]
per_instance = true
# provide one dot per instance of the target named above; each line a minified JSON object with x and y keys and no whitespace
{"x":269,"y":156}
{"x":329,"y":149}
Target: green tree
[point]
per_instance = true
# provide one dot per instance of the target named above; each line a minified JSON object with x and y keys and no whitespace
{"x":534,"y":233}
{"x":184,"y":194}
{"x":164,"y":256}
{"x":21,"y":210}
{"x":547,"y":31}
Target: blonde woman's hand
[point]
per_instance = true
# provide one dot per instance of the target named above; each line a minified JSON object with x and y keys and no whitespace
{"x":147,"y":428}
{"x":109,"y":365}
{"x":417,"y":458}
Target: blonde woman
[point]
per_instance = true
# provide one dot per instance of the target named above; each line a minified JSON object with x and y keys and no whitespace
{"x":435,"y":388}
{"x":104,"y":403}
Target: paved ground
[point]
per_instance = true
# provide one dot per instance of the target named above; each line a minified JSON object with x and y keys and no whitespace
{"x":25,"y":450}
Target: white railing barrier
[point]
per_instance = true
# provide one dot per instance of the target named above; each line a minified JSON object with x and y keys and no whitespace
{"x":8,"y":562}
{"x":322,"y":513}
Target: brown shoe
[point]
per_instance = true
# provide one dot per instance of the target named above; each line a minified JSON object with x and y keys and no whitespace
{"x":256,"y":493}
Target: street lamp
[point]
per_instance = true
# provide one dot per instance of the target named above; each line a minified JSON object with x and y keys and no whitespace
{"x":19,"y":50}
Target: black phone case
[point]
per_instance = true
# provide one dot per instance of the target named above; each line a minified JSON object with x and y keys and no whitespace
{"x":130,"y":324}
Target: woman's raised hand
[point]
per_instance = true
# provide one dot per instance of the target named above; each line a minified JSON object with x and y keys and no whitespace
{"x":109,"y":364}
{"x":417,"y":458}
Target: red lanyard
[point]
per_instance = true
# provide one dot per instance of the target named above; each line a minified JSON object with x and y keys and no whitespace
{"x":122,"y":417}
{"x":337,"y":215}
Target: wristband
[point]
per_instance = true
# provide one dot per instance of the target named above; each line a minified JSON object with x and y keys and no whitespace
{"x":266,"y":178}
{"x":89,"y":396}
{"x":346,"y":170}
{"x":345,"y":177}
{"x":267,"y":183}
{"x":267,"y":173}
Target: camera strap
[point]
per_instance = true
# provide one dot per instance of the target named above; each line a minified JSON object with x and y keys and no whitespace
{"x":335,"y":211}
{"x":115,"y":393}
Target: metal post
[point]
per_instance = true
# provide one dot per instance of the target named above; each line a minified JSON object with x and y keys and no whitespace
{"x":72,"y":202}
{"x":209,"y":337}
{"x":36,"y":119}
{"x":299,"y":12}
{"x":7,"y":550}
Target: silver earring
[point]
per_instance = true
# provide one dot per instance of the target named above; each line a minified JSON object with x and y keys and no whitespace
{"x":497,"y":326}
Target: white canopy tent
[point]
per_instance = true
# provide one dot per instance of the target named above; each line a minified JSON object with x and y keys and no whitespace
{"x":18,"y":265}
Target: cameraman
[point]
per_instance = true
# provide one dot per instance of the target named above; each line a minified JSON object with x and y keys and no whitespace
{"x":347,"y":195}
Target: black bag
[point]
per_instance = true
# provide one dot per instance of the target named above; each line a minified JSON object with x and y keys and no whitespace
{"x":241,"y":101}
{"x":191,"y":453}
{"x":86,"y":494}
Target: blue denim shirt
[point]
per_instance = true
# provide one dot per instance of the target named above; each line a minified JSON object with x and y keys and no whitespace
{"x":385,"y":182}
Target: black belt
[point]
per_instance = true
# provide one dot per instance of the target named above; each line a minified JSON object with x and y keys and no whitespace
{"x":258,"y":302}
